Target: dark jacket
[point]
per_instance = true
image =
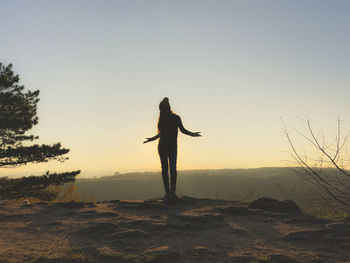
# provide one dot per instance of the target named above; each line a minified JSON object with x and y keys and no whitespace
{"x":168,"y":126}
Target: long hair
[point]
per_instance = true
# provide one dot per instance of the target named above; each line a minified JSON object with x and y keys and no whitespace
{"x":165,"y":114}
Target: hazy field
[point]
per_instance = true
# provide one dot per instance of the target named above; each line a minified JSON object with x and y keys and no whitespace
{"x":230,"y":184}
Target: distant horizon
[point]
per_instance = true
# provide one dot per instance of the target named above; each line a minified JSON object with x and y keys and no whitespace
{"x":101,"y":173}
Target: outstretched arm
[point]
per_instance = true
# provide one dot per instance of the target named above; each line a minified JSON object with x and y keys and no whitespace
{"x":152,"y":138}
{"x":187,"y":132}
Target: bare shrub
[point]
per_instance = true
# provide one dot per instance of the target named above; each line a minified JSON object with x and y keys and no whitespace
{"x":324,"y":164}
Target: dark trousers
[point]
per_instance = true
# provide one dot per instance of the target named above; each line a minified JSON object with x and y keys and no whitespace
{"x":168,"y":158}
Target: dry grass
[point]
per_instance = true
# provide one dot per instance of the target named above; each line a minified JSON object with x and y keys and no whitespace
{"x":326,"y":212}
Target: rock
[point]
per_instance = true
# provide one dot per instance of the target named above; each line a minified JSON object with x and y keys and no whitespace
{"x":234,"y":210}
{"x":340,"y":227}
{"x":95,"y":214}
{"x":155,"y":216}
{"x":202,"y":217}
{"x":304,"y":235}
{"x":42,"y":203}
{"x":243,"y":259}
{"x":188,"y":199}
{"x":239,"y":231}
{"x":267,"y":219}
{"x":148,"y":225}
{"x":280,"y":258}
{"x":144,"y":205}
{"x":153,"y":204}
{"x":337,"y":232}
{"x":130,"y":233}
{"x":319,"y":260}
{"x":70,"y":204}
{"x":101,"y":254}
{"x":183,"y":226}
{"x":269,"y":204}
{"x":111,"y":201}
{"x":161,"y":254}
{"x":306,"y":220}
{"x":54,"y":224}
{"x":45,"y":259}
{"x":12,"y":217}
{"x":204,"y":251}
{"x":88,"y":213}
{"x":107,"y":214}
{"x":99,"y":229}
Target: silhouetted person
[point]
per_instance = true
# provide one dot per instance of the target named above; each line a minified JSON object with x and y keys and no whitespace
{"x":168,"y":125}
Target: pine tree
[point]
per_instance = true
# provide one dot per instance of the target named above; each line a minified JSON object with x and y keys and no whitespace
{"x":18,"y":114}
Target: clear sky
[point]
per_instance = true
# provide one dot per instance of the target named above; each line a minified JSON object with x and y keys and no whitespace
{"x":229,"y":68}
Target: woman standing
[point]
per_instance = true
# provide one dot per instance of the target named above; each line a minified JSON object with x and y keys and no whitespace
{"x":168,"y":125}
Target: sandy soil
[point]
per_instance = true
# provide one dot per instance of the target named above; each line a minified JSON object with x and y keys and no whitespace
{"x":190,"y":230}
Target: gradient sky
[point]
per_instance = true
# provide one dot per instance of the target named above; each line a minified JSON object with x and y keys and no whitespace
{"x":229,"y":68}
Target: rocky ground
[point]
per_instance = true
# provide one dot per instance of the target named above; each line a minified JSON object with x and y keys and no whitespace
{"x":189,"y":230}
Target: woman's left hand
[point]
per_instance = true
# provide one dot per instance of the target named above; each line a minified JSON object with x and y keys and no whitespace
{"x":147,"y":140}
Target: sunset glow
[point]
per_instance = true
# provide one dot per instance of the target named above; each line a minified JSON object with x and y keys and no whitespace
{"x":229,"y":68}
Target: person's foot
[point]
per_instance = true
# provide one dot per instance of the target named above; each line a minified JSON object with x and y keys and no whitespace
{"x":167,"y":197}
{"x":174,"y":196}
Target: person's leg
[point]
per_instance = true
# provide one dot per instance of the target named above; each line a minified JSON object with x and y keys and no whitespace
{"x":173,"y":171}
{"x":164,"y":161}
